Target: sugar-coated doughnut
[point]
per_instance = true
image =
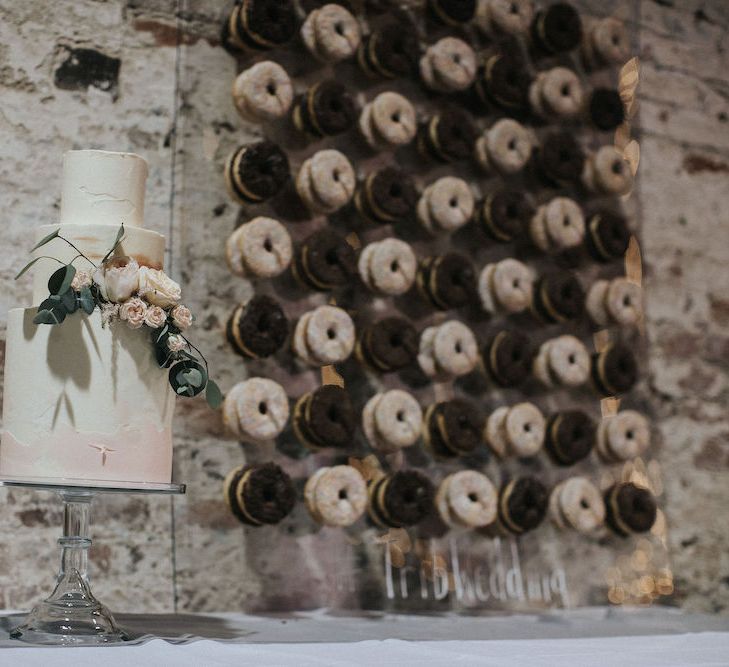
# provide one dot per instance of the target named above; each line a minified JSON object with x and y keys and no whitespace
{"x":256,"y":409}
{"x":467,"y":499}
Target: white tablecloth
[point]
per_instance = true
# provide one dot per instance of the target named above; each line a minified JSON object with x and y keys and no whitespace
{"x":585,"y":637}
{"x":710,"y":648}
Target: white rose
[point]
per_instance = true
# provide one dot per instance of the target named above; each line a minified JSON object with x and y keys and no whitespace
{"x":133,"y":312}
{"x":176,"y":342}
{"x":80,"y":280}
{"x":118,"y":279}
{"x":158,"y":288}
{"x":155,"y":317}
{"x":181,"y":317}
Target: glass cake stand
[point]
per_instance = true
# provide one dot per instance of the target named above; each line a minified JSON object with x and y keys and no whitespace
{"x":71,"y":615}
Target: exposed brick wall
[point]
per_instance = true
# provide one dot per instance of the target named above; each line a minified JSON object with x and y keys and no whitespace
{"x":137,"y":76}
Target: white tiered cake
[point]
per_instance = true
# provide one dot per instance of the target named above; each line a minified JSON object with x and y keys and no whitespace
{"x":83,"y":400}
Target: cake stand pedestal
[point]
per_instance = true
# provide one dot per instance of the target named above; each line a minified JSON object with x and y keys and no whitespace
{"x":71,"y":615}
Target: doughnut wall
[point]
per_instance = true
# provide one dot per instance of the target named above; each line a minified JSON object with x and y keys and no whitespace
{"x":446,"y":283}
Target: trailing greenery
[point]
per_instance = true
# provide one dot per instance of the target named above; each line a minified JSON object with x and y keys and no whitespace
{"x":70,"y":290}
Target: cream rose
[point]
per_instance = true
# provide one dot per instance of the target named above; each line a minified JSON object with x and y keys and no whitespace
{"x":176,"y":342}
{"x":133,"y":312}
{"x":181,"y":317}
{"x":158,"y":288}
{"x":155,"y":317}
{"x":80,"y":280}
{"x":118,"y":279}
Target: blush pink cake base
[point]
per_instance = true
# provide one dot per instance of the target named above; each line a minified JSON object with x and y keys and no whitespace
{"x":84,"y":401}
{"x":139,"y":456}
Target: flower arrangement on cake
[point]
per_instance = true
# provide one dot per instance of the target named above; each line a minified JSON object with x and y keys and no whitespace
{"x":139,"y":296}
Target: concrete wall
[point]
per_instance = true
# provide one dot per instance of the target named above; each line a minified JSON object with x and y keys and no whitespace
{"x":159,"y":87}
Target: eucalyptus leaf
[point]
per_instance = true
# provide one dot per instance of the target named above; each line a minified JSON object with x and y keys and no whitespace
{"x":119,"y":237}
{"x":162,"y":334}
{"x":213,"y":395}
{"x":68,"y":300}
{"x":45,"y":317}
{"x":61,"y":279}
{"x":164,"y":356}
{"x":56,"y":309}
{"x":28,"y":266}
{"x":180,"y":376}
{"x":193,"y":377}
{"x":46,"y":239}
{"x":86,"y":300}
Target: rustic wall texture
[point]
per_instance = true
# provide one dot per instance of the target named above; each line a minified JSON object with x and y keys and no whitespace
{"x":149,"y":76}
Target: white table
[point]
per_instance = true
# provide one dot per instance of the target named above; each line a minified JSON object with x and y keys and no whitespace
{"x":585,"y":637}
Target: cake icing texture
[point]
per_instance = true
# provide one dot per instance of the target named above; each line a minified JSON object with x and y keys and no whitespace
{"x":92,"y":369}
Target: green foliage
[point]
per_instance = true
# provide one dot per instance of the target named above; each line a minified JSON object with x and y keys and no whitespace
{"x":61,"y":279}
{"x":69,"y":302}
{"x":86,"y":300}
{"x":51,"y":311}
{"x":213,"y":394}
{"x":32,"y":262}
{"x":188,"y":377}
{"x":46,"y":239}
{"x":117,"y":241}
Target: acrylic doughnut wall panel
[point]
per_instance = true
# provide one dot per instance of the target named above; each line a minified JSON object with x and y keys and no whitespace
{"x":533,"y":203}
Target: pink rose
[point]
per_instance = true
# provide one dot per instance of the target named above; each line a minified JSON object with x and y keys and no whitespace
{"x":155,"y":317}
{"x":80,"y":280}
{"x":176,"y":342}
{"x":181,"y":317}
{"x":133,"y":312}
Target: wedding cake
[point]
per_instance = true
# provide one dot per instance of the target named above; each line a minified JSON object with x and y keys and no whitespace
{"x":87,"y":371}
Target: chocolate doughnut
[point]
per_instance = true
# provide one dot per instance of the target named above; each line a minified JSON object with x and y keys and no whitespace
{"x":570,"y":436}
{"x":614,"y":370}
{"x":260,"y":24}
{"x":558,"y":297}
{"x":505,"y":214}
{"x":560,"y":158}
{"x":257,"y":328}
{"x":390,"y":51}
{"x":259,"y":494}
{"x":452,"y":12}
{"x":310,"y":5}
{"x":387,"y":196}
{"x":607,"y":236}
{"x":449,"y":280}
{"x":454,"y":428}
{"x":504,"y":81}
{"x":389,"y":344}
{"x":325,"y":418}
{"x":508,"y":358}
{"x":325,"y":110}
{"x":256,"y":172}
{"x":557,"y":29}
{"x":325,"y":260}
{"x":606,"y":109}
{"x":401,"y":499}
{"x":447,"y":136}
{"x":630,"y":509}
{"x":522,"y":504}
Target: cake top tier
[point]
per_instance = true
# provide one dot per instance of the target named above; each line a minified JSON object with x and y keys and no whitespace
{"x":103,"y":188}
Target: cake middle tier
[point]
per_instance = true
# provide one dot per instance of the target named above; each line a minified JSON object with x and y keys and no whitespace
{"x":94,"y":241}
{"x":84,"y":401}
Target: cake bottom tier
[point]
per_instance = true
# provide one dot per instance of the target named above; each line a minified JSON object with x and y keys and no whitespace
{"x":83,"y":401}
